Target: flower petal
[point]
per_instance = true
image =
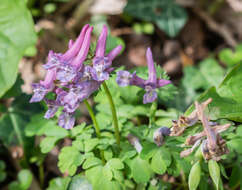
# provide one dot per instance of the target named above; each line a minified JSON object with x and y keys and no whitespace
{"x":82,"y":54}
{"x":39,"y":92}
{"x":114,"y":52}
{"x":163,"y":82}
{"x":74,"y":48}
{"x":66,"y":120}
{"x":123,"y":78}
{"x":150,"y":96}
{"x":101,"y":43}
{"x":52,"y":108}
{"x":151,"y":67}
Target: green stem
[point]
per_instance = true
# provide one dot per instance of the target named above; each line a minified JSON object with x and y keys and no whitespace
{"x":16,"y":127}
{"x":153,"y":109}
{"x":95,"y":124}
{"x":41,"y":175}
{"x":94,"y":120}
{"x":114,"y":113}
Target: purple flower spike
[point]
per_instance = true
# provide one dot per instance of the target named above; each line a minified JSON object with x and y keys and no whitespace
{"x":82,"y":54}
{"x":66,"y":120}
{"x":151,"y":67}
{"x":102,"y":63}
{"x":114,"y":52}
{"x":124,"y":78}
{"x":101,"y":43}
{"x":70,"y":44}
{"x":74,"y":48}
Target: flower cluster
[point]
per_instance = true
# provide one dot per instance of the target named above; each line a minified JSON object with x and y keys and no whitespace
{"x":125,"y":78}
{"x":70,"y":79}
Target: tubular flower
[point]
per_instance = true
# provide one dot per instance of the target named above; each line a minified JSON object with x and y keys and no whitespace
{"x":72,"y":81}
{"x":125,"y":78}
{"x":102,"y":62}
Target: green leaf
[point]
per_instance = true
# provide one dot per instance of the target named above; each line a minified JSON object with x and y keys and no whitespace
{"x":90,"y":144}
{"x":160,"y":161}
{"x":97,"y":178}
{"x":115,"y":163}
{"x":59,"y":183}
{"x":227,"y":101}
{"x":172,"y":19}
{"x":194,"y":176}
{"x":90,"y":162}
{"x":69,"y":159}
{"x":214,"y":172}
{"x":141,"y":170}
{"x":230,"y":58}
{"x":231,"y":87}
{"x":107,"y":172}
{"x":148,"y":151}
{"x":17,"y":24}
{"x":235,"y":144}
{"x":41,"y":126}
{"x":47,"y":144}
{"x":168,"y":16}
{"x":211,"y":71}
{"x":15,"y":90}
{"x":79,"y":182}
{"x":9,"y":58}
{"x":25,"y":179}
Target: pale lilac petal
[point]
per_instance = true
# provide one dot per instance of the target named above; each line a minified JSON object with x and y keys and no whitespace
{"x":71,"y":102}
{"x":163,"y":82}
{"x":70,"y":44}
{"x":66,"y":120}
{"x":114,"y":53}
{"x":72,"y":52}
{"x":82,"y":54}
{"x":66,"y":73}
{"x":39,"y":92}
{"x":151,"y":67}
{"x":53,"y":60}
{"x":100,"y":75}
{"x":60,"y":95}
{"x":49,"y":78}
{"x":52,"y":108}
{"x":101,"y":43}
{"x":137,"y":81}
{"x":123,"y":78}
{"x":150,"y":96}
{"x":88,"y":87}
{"x":101,"y":63}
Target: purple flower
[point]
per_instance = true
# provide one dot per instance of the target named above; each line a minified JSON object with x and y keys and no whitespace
{"x":66,"y":120}
{"x":56,"y":59}
{"x":125,"y":78}
{"x":101,"y":63}
{"x":70,"y":79}
{"x":42,"y":88}
{"x":52,"y":108}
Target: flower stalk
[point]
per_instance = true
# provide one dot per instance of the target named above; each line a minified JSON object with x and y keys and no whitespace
{"x":95,"y":124}
{"x":114,"y":113}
